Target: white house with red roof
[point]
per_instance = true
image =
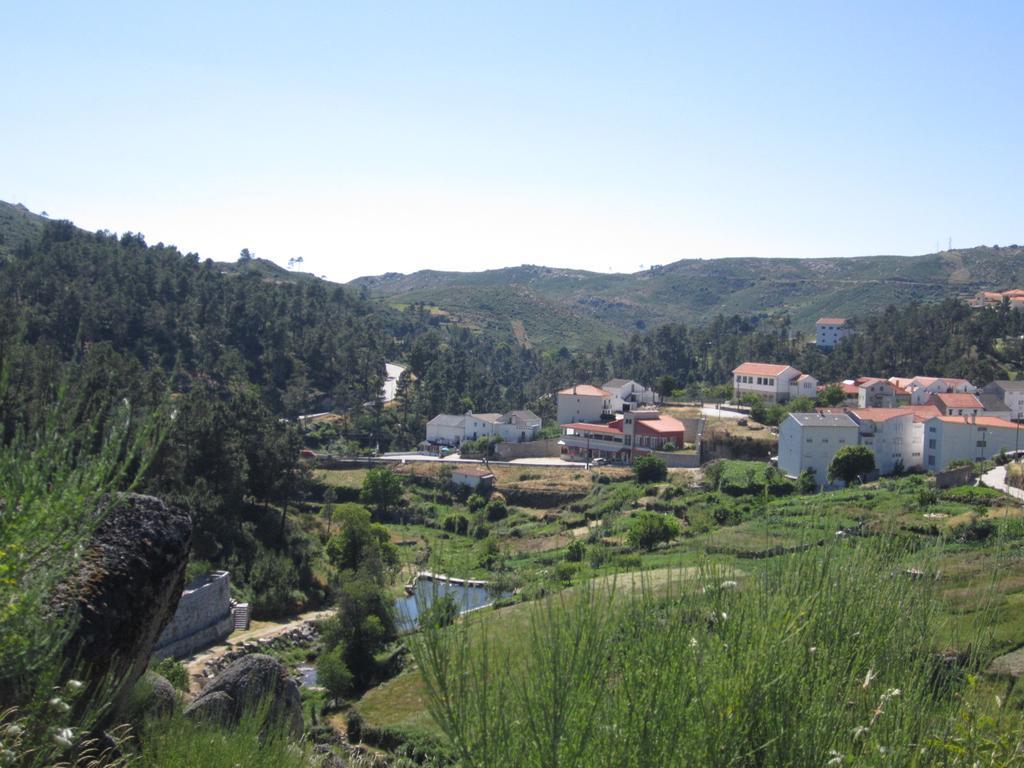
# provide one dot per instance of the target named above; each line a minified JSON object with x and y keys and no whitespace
{"x":957,"y":404}
{"x":921,"y":388}
{"x":976,"y":438}
{"x":829,"y":331}
{"x":584,"y":403}
{"x":875,"y":393}
{"x":772,"y":382}
{"x":633,"y":433}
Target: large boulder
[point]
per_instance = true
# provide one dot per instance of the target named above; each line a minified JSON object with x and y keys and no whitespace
{"x":124,"y":590}
{"x":246,"y":684}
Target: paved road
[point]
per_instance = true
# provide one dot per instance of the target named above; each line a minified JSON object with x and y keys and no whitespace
{"x":996,"y":478}
{"x":543,"y":461}
{"x":721,"y":413}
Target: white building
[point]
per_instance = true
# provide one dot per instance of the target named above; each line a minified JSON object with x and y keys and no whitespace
{"x":471,"y":477}
{"x":583,"y":403}
{"x":995,"y":406}
{"x":921,"y":388}
{"x":875,"y":393}
{"x":976,"y":438}
{"x":829,"y":331}
{"x":512,"y":427}
{"x":894,"y":435}
{"x":1012,"y":393}
{"x":772,"y":382}
{"x":809,"y":441}
{"x":627,"y":391}
{"x":957,"y":404}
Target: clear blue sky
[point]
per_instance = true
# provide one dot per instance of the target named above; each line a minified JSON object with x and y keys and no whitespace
{"x":391,"y":136}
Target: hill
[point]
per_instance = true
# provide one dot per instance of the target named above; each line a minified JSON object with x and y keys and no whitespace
{"x":555,"y":307}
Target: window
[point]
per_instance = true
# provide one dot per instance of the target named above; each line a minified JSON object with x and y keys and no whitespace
{"x":842,"y":440}
{"x":981,"y":444}
{"x":931,"y":461}
{"x":931,"y":429}
{"x":931,"y":444}
{"x":824,"y":440}
{"x":810,"y":439}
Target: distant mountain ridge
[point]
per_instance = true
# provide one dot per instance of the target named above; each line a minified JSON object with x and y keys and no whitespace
{"x":583,"y":307}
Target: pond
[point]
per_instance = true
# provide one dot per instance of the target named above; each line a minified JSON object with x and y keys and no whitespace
{"x":307,"y":676}
{"x":425,"y":591}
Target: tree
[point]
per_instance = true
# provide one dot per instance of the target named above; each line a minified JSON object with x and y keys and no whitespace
{"x":831,"y":395}
{"x":360,"y":544}
{"x":382,"y":489}
{"x":666,"y":385}
{"x":851,"y":462}
{"x":650,"y":469}
{"x":650,"y":529}
{"x":333,"y":673}
{"x":807,"y":482}
{"x":758,"y":410}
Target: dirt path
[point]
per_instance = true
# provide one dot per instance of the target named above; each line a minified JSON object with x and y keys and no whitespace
{"x":258,"y":630}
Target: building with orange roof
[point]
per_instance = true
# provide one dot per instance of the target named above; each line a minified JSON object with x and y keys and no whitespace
{"x":772,"y":382}
{"x":584,"y":403}
{"x":1015,"y":297}
{"x":975,"y":438}
{"x":634,"y":433}
{"x":829,"y":331}
{"x":957,"y":403}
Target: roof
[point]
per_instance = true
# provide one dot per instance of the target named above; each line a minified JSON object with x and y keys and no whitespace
{"x":760,"y":369}
{"x":830,"y":321}
{"x":927,"y":381}
{"x":957,"y":400}
{"x":527,"y":415}
{"x":1010,"y":386}
{"x":491,"y":417}
{"x":472,"y":472}
{"x":880,"y":414}
{"x":447,"y":420}
{"x":803,"y":377}
{"x":899,"y":382}
{"x":992,"y":403}
{"x":868,"y":381}
{"x":661,"y":425}
{"x":584,"y":390}
{"x":616,"y":383}
{"x":981,"y":421}
{"x":823,"y":419}
{"x":601,"y":429}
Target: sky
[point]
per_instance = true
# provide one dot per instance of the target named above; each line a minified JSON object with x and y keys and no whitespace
{"x":396,"y":136}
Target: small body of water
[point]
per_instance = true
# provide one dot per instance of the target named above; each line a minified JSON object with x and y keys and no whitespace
{"x":408,"y":608}
{"x":307,"y":676}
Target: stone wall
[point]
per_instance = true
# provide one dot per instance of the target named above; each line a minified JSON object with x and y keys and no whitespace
{"x":203,"y":617}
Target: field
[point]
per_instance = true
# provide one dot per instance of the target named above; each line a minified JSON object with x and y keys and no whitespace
{"x":965,"y":541}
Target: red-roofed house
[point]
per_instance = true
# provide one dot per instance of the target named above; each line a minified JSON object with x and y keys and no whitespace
{"x":583,"y":403}
{"x":921,"y":388}
{"x":875,"y":393}
{"x":772,"y":382}
{"x":949,"y":438}
{"x":829,"y":331}
{"x":957,"y":404}
{"x":636,"y":432}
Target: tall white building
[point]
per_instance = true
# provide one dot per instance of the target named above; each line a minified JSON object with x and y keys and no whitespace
{"x":811,"y":440}
{"x":829,"y":331}
{"x":772,"y":382}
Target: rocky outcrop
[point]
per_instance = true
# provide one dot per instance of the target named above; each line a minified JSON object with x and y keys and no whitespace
{"x":163,"y":699}
{"x":248,"y":683}
{"x":124,"y":590}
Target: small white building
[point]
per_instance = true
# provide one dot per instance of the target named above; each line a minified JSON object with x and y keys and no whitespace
{"x":995,"y":406}
{"x":584,"y":404}
{"x":471,"y":477}
{"x":1011,"y":392}
{"x":875,"y":393}
{"x":809,"y":441}
{"x":512,"y":427}
{"x":772,"y":382}
{"x":975,"y":438}
{"x":921,"y":388}
{"x":628,"y":392}
{"x":829,"y":331}
{"x":518,"y":426}
{"x":894,"y":435}
{"x":957,"y":404}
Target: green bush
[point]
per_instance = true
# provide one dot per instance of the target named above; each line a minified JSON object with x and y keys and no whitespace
{"x":174,"y":672}
{"x":565,"y":571}
{"x":496,"y":510}
{"x":650,"y":469}
{"x":575,"y":551}
{"x":648,"y":529}
{"x":332,"y":672}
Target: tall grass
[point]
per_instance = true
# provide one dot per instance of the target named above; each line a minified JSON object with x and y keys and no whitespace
{"x":824,"y":658}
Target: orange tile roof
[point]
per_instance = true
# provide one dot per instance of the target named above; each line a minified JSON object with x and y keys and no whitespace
{"x":660,"y":426}
{"x":984,"y":421}
{"x":585,"y":390}
{"x":957,"y":400}
{"x":831,"y":321}
{"x":601,"y":429}
{"x":760,"y":369}
{"x":880,"y":414}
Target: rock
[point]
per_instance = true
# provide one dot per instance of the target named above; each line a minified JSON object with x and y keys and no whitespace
{"x":163,"y":697}
{"x":124,"y":591}
{"x":246,"y":684}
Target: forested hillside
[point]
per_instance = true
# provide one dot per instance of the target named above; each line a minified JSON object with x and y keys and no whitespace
{"x":559,"y":307}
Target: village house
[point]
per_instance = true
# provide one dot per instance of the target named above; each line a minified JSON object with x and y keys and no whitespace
{"x":584,"y":403}
{"x":921,"y":388}
{"x":624,"y":392}
{"x":829,"y":331}
{"x":957,"y":404}
{"x":875,"y":393}
{"x":634,"y":433}
{"x":472,"y":477}
{"x":995,"y":406}
{"x":512,"y":427}
{"x":772,"y":382}
{"x":1014,"y":297}
{"x":975,"y":438}
{"x":1011,"y":392}
{"x":809,"y":441}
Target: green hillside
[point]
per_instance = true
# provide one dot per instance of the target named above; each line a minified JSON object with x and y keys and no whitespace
{"x":568,"y":307}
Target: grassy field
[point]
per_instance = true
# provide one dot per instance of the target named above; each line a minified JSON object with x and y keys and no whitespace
{"x":967,"y":542}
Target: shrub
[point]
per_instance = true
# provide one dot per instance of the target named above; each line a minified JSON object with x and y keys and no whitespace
{"x":476,"y":502}
{"x":575,"y":551}
{"x":650,"y":469}
{"x":332,"y":672}
{"x":496,"y":510}
{"x":649,"y":529}
{"x":174,"y":671}
{"x":565,"y":571}
{"x":598,"y":555}
{"x":850,"y":463}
